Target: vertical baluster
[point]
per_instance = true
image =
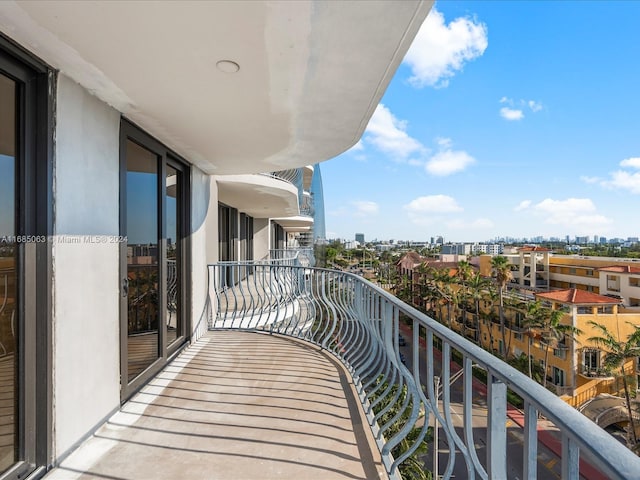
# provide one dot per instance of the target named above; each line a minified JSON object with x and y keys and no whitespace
{"x":497,"y":441}
{"x":570,"y":459}
{"x":530,"y":441}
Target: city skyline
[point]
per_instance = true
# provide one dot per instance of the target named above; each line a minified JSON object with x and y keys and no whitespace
{"x":439,"y":239}
{"x":505,"y":119}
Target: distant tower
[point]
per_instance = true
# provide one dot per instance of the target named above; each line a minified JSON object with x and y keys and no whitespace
{"x":319,"y":229}
{"x":360,"y":238}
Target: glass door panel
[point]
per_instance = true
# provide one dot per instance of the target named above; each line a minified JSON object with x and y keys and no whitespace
{"x":143,"y":273}
{"x":9,"y":354}
{"x":173,"y":269}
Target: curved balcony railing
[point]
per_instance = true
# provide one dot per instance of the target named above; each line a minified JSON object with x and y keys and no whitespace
{"x":306,"y":205}
{"x":303,"y":257}
{"x":360,"y":324}
{"x":292,"y":175}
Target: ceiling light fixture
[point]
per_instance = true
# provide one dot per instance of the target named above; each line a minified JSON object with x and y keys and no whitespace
{"x":227,"y":66}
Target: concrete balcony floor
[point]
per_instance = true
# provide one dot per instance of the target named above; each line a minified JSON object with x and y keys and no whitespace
{"x":236,"y":405}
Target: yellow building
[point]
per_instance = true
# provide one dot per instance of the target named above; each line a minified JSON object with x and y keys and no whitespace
{"x":600,"y":289}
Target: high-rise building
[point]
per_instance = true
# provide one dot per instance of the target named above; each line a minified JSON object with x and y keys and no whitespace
{"x":319,"y":228}
{"x":360,"y":238}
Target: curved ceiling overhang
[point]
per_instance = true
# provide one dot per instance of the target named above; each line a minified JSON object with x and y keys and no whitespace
{"x":259,"y":196}
{"x":298,"y":223}
{"x":310,"y":73}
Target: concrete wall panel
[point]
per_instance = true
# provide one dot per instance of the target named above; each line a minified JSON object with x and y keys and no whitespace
{"x":86,"y":378}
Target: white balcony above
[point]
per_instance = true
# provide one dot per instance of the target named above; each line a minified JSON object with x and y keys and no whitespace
{"x":307,"y":176}
{"x":234,"y":87}
{"x":300,"y":223}
{"x":260,"y":196}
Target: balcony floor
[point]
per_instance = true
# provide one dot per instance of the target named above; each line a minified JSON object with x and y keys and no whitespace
{"x":236,"y":405}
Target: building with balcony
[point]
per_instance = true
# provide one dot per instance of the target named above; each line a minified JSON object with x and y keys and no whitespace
{"x":153,"y":156}
{"x":573,"y":368}
{"x":138,"y":143}
{"x":601,"y":289}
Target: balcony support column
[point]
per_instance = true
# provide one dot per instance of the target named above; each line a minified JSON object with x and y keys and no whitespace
{"x":570,"y":459}
{"x":530,"y":441}
{"x":497,"y":441}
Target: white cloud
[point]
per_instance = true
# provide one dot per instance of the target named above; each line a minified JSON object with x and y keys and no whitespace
{"x":389,"y":135}
{"x":511,"y":113}
{"x":590,"y":180}
{"x":444,"y":142}
{"x":514,"y":111}
{"x":439,"y":50}
{"x":433,"y":204}
{"x":534,"y":106}
{"x":523,"y":205}
{"x":624,"y":180}
{"x":579,"y":214}
{"x":365,"y":208}
{"x":621,"y":179}
{"x":429,"y":209}
{"x":447,"y":162}
{"x":414,"y":162}
{"x":631,"y":162}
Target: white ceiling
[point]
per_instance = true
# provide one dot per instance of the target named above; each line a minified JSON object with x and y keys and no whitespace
{"x":259,"y":196}
{"x":311,"y":72}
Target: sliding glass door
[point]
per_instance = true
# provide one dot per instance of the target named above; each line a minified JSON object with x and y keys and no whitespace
{"x":9,"y":274}
{"x":153,"y":220}
{"x":24,"y":260}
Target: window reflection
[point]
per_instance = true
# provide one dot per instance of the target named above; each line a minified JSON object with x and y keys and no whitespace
{"x":142,"y":259}
{"x":8,"y":277}
{"x":173,"y":183}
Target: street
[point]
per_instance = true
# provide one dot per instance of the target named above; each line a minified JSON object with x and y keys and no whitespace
{"x":548,"y":462}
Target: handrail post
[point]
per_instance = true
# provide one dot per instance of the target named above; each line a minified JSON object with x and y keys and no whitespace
{"x":497,"y":441}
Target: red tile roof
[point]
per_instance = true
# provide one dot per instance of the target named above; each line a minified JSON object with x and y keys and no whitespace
{"x":575,"y":296}
{"x":534,"y":249}
{"x":410,"y":260}
{"x":621,"y":269}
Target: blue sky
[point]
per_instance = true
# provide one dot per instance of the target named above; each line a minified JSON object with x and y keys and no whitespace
{"x":505,"y":119}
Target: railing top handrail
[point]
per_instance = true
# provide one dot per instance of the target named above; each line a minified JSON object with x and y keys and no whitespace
{"x":604,"y":450}
{"x":291,"y":175}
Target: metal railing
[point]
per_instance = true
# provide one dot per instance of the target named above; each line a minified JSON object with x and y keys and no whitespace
{"x":359,"y":323}
{"x":301,"y":256}
{"x":306,"y":204}
{"x":293,"y":175}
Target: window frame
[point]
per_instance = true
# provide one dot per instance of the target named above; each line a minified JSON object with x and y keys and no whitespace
{"x":36,"y":95}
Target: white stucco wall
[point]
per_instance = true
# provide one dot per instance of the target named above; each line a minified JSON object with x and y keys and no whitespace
{"x":204,"y":244}
{"x":86,"y":284}
{"x":261,"y":235}
{"x":86,"y":362}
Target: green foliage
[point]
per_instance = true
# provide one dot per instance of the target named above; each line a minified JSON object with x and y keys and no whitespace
{"x":522,"y":364}
{"x":618,"y":352}
{"x":412,"y":468}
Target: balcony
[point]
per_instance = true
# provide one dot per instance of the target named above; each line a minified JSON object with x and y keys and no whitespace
{"x":260,"y":196}
{"x":301,"y":256}
{"x":297,"y":377}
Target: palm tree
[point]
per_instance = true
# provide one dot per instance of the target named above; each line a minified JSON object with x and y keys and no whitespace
{"x":522,"y":363}
{"x":490,"y":297}
{"x":552,"y":331}
{"x":532,"y":319}
{"x":442,"y":281}
{"x":463,"y":275}
{"x":501,"y":270}
{"x":464,"y":271}
{"x":477,"y":285}
{"x":617,"y":354}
